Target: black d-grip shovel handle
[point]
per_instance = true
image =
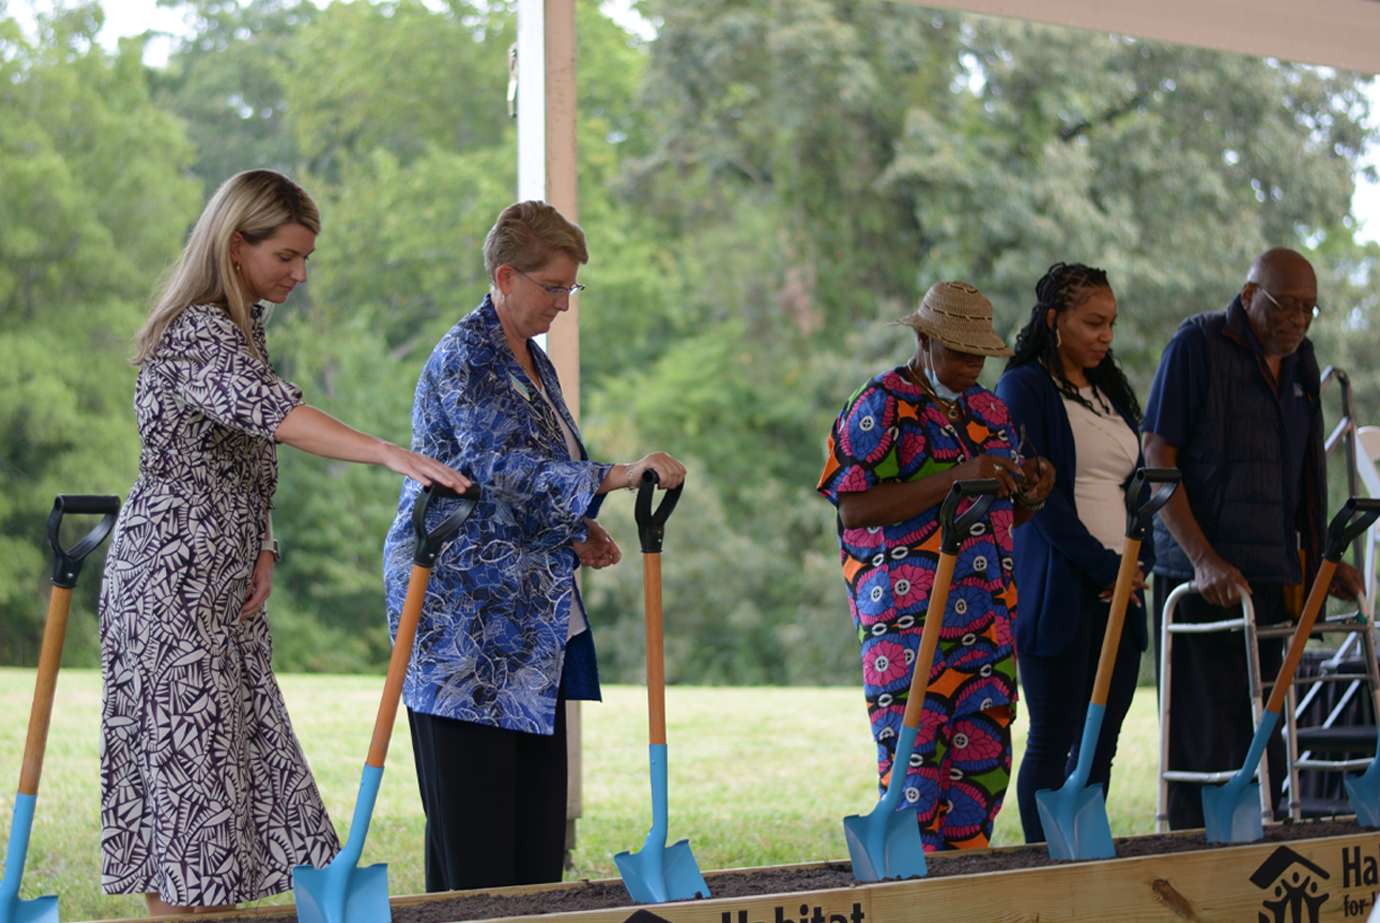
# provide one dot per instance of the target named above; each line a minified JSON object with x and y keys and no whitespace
{"x":651,"y":527}
{"x":429,"y":544}
{"x":1137,"y":516}
{"x":67,"y":563}
{"x":954,"y":531}
{"x":1355,"y":517}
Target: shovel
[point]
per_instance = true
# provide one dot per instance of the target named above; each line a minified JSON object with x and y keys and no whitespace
{"x":1364,"y":789}
{"x":1231,"y":812}
{"x":340,"y":892}
{"x":886,"y":843}
{"x":657,"y":873}
{"x":1074,"y":816}
{"x":66,"y":567}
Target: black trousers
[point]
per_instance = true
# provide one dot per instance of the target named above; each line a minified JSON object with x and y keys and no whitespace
{"x":1057,"y":691}
{"x":1210,"y":723}
{"x":495,"y":802}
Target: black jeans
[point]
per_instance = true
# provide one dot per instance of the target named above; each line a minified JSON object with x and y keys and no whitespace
{"x":1210,"y":723}
{"x":495,"y":802}
{"x":1057,"y":690}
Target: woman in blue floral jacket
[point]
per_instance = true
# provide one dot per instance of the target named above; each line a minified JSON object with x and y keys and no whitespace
{"x":503,"y":640}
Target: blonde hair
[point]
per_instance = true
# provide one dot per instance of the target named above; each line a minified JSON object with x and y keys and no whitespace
{"x":528,"y":234}
{"x":256,"y":203}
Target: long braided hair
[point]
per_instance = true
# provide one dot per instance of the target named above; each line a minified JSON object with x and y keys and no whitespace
{"x":1065,"y":286}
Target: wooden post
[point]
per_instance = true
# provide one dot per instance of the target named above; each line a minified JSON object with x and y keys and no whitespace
{"x":547,"y":171}
{"x":563,"y":342}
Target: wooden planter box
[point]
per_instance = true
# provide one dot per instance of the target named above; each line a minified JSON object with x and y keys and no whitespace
{"x":1303,"y":881}
{"x":1334,"y":878}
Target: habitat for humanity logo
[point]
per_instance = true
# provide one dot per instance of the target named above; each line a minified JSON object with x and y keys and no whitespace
{"x":807,"y":915}
{"x":1293,"y":882}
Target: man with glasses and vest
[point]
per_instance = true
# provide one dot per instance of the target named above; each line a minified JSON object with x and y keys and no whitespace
{"x":1235,"y":407}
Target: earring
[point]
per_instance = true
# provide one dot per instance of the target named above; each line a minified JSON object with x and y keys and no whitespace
{"x":1058,"y":340}
{"x":237,"y":267}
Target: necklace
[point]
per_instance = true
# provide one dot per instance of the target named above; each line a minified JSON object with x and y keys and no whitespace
{"x":951,"y":408}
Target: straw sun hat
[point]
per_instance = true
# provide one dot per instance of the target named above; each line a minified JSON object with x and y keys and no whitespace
{"x":960,"y":317}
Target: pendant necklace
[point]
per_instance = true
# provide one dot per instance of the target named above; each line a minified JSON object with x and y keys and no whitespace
{"x":951,"y":408}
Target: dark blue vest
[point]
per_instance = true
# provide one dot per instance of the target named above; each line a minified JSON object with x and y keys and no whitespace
{"x":1236,"y":463}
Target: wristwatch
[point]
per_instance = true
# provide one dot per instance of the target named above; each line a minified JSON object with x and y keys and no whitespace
{"x":272,"y":546}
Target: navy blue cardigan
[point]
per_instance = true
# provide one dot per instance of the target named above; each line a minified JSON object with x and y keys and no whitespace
{"x":1054,"y":549}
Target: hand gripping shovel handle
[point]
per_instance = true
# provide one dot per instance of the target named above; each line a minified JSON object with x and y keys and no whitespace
{"x":651,"y":529}
{"x":429,"y":545}
{"x":952,"y":531}
{"x":1138,"y":518}
{"x":651,"y":526}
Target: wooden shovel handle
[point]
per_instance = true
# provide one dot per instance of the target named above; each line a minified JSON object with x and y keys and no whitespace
{"x":1316,"y":597}
{"x":656,"y":652}
{"x":45,"y":687}
{"x":397,"y":665}
{"x":1116,"y":618}
{"x":929,"y":640}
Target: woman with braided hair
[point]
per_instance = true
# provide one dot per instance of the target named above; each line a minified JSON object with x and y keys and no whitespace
{"x":1073,"y":404}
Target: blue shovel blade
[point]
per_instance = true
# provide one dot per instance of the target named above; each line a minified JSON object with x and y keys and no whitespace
{"x":1074,"y":816}
{"x":342,"y":894}
{"x":37,"y":910}
{"x":1075,"y":822}
{"x":885,"y":844}
{"x":654,"y":875}
{"x":1232,"y":814}
{"x":1364,"y":792}
{"x":12,"y":909}
{"x":657,"y":873}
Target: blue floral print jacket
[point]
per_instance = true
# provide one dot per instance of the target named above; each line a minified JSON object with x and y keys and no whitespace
{"x":491,"y":644}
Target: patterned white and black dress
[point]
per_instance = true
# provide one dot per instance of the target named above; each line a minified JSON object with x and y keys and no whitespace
{"x":206,"y":797}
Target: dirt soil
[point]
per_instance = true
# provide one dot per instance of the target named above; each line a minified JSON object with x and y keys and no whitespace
{"x":597,"y":895}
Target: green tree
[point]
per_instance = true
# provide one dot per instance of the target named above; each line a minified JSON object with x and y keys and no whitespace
{"x":1170,"y":167}
{"x":228,"y":81}
{"x":398,"y":77}
{"x":92,"y":206}
{"x":817,"y":165}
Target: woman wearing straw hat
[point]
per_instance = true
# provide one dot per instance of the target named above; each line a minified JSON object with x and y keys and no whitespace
{"x":898,"y":445}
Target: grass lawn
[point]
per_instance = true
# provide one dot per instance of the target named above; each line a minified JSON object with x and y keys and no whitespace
{"x":758,"y":776}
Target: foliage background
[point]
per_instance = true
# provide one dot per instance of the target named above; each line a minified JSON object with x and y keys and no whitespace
{"x":762,"y":183}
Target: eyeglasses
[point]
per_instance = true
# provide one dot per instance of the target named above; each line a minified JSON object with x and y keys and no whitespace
{"x":555,"y":291}
{"x":1291,"y":307}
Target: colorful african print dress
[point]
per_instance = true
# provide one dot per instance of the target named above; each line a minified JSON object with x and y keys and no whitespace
{"x":892,"y":431}
{"x":206,"y":797}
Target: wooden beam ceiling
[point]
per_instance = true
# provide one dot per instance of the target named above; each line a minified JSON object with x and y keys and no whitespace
{"x":1337,"y":33}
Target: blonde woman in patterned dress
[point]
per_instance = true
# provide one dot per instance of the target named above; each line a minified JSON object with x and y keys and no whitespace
{"x":206,"y":797}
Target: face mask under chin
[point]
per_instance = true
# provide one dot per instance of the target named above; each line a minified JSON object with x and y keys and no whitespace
{"x":941,"y":391}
